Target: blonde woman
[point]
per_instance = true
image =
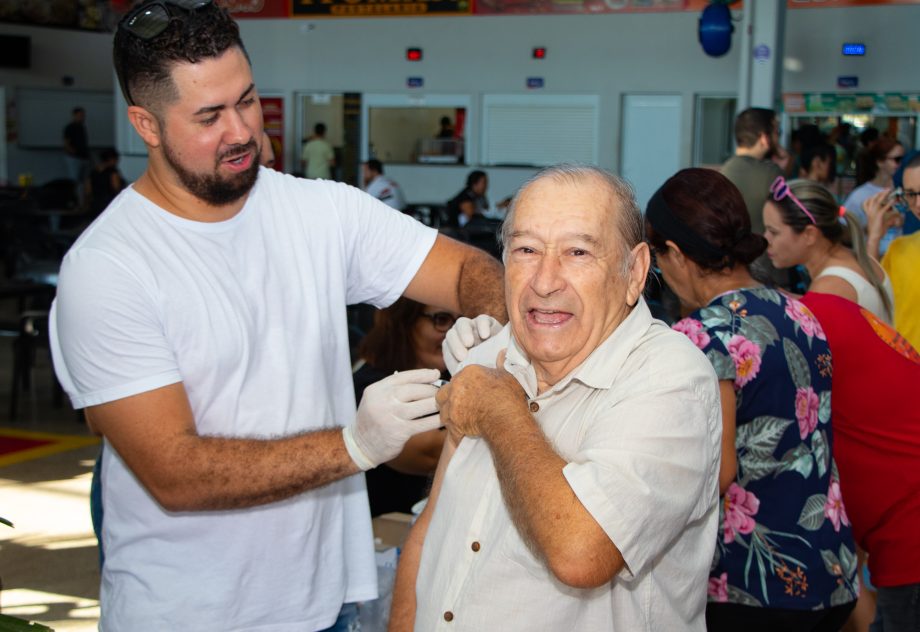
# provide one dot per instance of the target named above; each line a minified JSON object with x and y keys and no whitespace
{"x":804,"y":225}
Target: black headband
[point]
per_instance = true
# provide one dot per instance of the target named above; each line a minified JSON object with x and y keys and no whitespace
{"x":663,"y":220}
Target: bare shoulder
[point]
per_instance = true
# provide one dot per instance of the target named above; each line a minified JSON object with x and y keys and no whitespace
{"x":832,"y":284}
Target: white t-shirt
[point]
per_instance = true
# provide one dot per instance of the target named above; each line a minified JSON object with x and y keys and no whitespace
{"x":639,"y":423}
{"x":387,"y":192}
{"x":249,"y":314}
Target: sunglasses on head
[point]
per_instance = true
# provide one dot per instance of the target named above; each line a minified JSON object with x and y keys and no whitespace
{"x":149,"y":20}
{"x":442,"y":321}
{"x":780,"y":190}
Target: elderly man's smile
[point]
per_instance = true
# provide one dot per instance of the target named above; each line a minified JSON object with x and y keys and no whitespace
{"x":548,"y":317}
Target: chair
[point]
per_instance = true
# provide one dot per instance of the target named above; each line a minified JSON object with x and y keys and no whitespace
{"x":27,"y":325}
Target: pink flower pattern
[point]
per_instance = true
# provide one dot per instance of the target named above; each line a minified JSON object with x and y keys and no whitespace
{"x":718,"y":588}
{"x":806,"y":320}
{"x":746,"y":356}
{"x":833,"y":507}
{"x":740,"y":505}
{"x":694,"y":330}
{"x":806,"y":410}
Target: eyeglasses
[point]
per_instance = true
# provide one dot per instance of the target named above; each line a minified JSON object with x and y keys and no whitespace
{"x":442,"y":321}
{"x":150,"y":20}
{"x":896,"y":159}
{"x":910,"y":195}
{"x":780,"y":190}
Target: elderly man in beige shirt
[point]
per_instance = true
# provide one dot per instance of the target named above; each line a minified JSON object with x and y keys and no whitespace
{"x":578,"y":489}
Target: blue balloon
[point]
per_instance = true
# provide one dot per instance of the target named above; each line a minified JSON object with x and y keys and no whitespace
{"x":716,"y":30}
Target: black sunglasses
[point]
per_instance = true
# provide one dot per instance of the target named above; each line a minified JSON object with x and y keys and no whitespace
{"x":442,"y":321}
{"x":150,"y":20}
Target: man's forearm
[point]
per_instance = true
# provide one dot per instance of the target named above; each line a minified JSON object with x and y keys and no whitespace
{"x":480,"y":287}
{"x":543,"y":506}
{"x":222,"y":473}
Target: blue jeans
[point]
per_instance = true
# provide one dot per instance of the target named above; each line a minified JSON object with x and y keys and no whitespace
{"x":898,"y":609}
{"x":347,"y":621}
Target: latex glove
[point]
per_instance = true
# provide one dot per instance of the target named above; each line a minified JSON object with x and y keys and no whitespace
{"x":391,"y":411}
{"x":464,"y":335}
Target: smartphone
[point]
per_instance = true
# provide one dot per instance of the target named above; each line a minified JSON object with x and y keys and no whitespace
{"x":896,"y":195}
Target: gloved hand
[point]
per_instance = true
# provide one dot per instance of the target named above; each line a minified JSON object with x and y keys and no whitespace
{"x":391,"y":411}
{"x":464,"y":335}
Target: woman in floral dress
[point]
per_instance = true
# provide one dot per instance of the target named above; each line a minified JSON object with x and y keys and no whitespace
{"x":784,"y":558}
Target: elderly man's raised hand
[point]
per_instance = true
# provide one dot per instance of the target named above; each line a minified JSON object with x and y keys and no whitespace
{"x":391,"y":411}
{"x":464,"y":335}
{"x":478,"y":396}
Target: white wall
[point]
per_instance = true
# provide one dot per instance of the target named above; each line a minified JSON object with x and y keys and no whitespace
{"x":607,"y":55}
{"x":56,"y":53}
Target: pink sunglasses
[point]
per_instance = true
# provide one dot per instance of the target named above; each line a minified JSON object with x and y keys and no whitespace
{"x":780,"y":190}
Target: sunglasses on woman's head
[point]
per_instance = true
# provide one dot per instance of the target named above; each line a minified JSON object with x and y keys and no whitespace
{"x":780,"y":190}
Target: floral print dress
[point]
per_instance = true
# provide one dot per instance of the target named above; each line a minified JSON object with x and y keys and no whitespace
{"x":785,"y":539}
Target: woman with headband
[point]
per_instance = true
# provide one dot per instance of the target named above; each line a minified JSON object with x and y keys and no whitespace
{"x":785,"y":557}
{"x":803,"y":227}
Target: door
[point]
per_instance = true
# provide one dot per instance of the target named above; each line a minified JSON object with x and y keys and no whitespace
{"x":650,"y":141}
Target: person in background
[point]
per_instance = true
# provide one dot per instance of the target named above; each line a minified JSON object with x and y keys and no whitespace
{"x":406,"y":335}
{"x":201,"y":324}
{"x":76,"y":150}
{"x":382,"y":187}
{"x":817,"y":163}
{"x":878,"y":165}
{"x":785,"y":558}
{"x":446,"y":131}
{"x":470,"y":201}
{"x":750,"y":169}
{"x":317,"y":158}
{"x":267,"y":153}
{"x":877,"y":448}
{"x":577,"y":489}
{"x":105,"y":181}
{"x":804,"y":227}
{"x":902,"y":261}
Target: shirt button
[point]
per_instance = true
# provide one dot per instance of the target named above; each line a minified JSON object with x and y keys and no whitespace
{"x":475,"y":546}
{"x":534,"y":407}
{"x":448,"y":616}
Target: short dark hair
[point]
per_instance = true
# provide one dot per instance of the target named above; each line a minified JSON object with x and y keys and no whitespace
{"x":388,"y":345}
{"x":820,"y":150}
{"x":474,"y":177}
{"x":912,"y":163}
{"x":144,"y":67}
{"x":709,"y":205}
{"x":108,"y":153}
{"x":319,"y":129}
{"x":751,"y":123}
{"x":375,"y":165}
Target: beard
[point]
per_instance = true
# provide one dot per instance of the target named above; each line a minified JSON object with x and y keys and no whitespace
{"x":212,"y":188}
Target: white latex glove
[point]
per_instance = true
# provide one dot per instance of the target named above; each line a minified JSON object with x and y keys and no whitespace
{"x":464,"y":335}
{"x":391,"y":411}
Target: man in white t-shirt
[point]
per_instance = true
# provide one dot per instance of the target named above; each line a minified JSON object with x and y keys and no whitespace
{"x":381,"y":187}
{"x":200,"y":321}
{"x":578,"y":489}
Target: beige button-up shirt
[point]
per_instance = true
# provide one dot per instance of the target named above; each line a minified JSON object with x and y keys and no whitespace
{"x":639,"y":423}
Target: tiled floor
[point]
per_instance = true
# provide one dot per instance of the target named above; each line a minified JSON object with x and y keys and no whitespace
{"x":48,"y":561}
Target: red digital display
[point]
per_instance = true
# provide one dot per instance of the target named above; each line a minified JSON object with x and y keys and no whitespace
{"x":414,"y":54}
{"x":539,"y":52}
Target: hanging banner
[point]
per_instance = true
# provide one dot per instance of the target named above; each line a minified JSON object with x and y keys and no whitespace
{"x":257,"y":8}
{"x":829,"y":4}
{"x":273,"y":121}
{"x":511,"y":7}
{"x":378,"y":8}
{"x":857,"y":103}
